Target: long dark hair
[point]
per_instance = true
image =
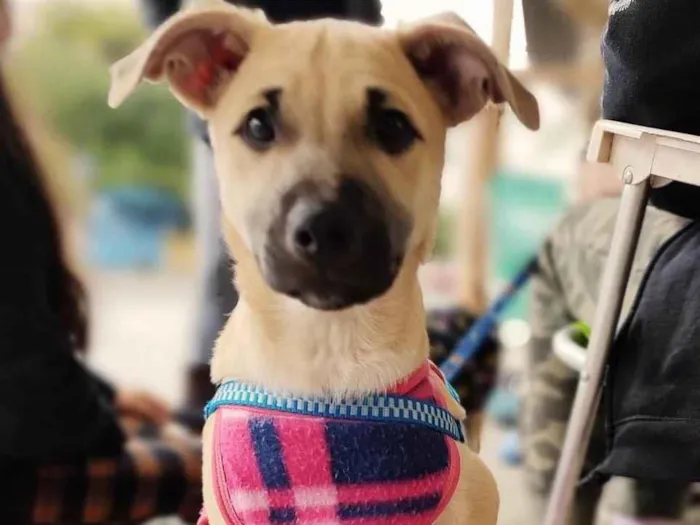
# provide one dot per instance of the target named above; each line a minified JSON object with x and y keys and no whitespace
{"x":38,"y":218}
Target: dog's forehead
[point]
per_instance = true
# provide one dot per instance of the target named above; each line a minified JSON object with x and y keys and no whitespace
{"x":323,"y":37}
{"x":327,"y":65}
{"x":331,"y":50}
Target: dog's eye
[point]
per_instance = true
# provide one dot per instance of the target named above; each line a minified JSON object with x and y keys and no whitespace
{"x":393,"y":131}
{"x":258,"y":129}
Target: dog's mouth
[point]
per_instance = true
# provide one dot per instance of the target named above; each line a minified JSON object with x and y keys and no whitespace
{"x":334,"y":248}
{"x":330,"y":291}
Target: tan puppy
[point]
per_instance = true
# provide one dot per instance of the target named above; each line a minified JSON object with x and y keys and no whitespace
{"x":329,"y":141}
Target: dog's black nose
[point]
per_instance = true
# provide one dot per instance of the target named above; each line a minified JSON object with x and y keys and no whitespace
{"x":324,"y":233}
{"x":332,"y":247}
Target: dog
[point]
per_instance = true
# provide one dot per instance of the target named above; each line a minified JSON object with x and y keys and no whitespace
{"x":328,"y":139}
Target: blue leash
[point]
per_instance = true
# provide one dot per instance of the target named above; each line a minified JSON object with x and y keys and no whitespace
{"x":470,"y":343}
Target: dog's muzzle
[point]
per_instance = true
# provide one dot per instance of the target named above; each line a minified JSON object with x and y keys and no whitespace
{"x":333,"y":248}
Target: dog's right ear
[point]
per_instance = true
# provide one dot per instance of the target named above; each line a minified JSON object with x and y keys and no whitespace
{"x":462,"y":72}
{"x":197,"y":52}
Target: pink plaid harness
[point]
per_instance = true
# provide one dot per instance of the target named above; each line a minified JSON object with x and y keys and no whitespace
{"x":387,"y":459}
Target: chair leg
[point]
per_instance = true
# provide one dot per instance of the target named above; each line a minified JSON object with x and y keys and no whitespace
{"x":605,"y":323}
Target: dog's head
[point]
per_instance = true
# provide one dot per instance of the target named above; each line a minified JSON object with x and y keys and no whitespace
{"x":328,"y":136}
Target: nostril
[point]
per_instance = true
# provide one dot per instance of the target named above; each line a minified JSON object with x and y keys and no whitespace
{"x":321,"y":234}
{"x":305,"y":240}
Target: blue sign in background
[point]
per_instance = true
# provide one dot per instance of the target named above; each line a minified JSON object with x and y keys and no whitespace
{"x":128,"y":227}
{"x":524,"y":209}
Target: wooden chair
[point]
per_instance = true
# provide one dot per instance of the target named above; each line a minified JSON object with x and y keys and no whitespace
{"x":643,"y":158}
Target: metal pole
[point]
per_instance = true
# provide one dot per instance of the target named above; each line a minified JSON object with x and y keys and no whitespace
{"x":612,"y":290}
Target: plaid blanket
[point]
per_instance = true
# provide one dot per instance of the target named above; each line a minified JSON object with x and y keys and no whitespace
{"x":151,"y":478}
{"x":277,"y":466}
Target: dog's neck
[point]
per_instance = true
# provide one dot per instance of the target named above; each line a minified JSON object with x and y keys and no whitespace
{"x":278,"y":343}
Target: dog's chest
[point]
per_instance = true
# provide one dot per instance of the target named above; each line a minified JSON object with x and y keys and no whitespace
{"x":283,"y":468}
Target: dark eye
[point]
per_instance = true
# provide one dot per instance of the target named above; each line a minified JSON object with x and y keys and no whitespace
{"x":258,"y":129}
{"x":393,"y":131}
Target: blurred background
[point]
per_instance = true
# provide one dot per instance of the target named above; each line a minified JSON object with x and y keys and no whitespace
{"x":123,"y":179}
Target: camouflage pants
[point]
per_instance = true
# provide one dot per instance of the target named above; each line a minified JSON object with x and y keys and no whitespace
{"x":565,"y":289}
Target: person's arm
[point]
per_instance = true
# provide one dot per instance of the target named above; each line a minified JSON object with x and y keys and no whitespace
{"x":107,"y":389}
{"x":50,"y":407}
{"x":136,"y":403}
{"x":651,"y":51}
{"x":130,"y":402}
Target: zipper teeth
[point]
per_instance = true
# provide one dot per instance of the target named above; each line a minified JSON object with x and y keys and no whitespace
{"x":223,"y":501}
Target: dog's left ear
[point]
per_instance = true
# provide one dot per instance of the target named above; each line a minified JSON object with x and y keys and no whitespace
{"x":462,"y":72}
{"x":197,"y":52}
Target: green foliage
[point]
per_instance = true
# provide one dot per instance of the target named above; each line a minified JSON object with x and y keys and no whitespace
{"x":581,"y":334}
{"x":64,"y":66}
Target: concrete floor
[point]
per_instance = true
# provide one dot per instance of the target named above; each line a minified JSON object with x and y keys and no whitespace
{"x":142,"y":330}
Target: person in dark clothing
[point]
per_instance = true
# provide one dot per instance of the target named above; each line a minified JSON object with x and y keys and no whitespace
{"x":43,"y":324}
{"x":65,"y":454}
{"x":218,"y":296}
{"x":652,"y":57}
{"x":651,"y":407}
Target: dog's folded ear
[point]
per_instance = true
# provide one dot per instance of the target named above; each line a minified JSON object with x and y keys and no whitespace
{"x":462,"y":72}
{"x":197,"y":52}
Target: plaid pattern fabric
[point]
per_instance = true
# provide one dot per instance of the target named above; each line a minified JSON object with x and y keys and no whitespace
{"x":282,"y":467}
{"x":151,"y":478}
